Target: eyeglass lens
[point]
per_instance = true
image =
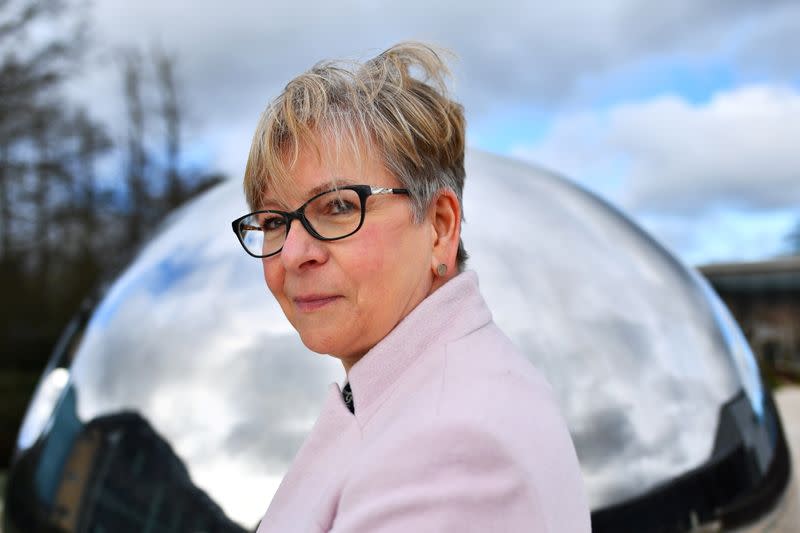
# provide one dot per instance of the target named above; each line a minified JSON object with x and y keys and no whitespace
{"x":332,"y":215}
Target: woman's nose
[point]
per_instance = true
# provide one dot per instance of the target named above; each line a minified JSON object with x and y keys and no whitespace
{"x":301,"y":249}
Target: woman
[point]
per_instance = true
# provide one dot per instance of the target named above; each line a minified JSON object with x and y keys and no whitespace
{"x":355,"y":176}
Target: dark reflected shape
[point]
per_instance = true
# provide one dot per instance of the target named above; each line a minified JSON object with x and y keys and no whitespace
{"x":113,"y":474}
{"x":744,"y":479}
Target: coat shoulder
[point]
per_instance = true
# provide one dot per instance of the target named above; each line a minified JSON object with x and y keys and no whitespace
{"x":486,"y":374}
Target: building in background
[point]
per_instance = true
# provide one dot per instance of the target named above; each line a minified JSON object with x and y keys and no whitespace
{"x":764,"y":297}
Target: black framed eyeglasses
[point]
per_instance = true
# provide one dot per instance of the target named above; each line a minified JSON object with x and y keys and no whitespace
{"x":327,"y":216}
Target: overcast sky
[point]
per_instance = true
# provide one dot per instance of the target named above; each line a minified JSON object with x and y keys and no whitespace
{"x":686,"y":114}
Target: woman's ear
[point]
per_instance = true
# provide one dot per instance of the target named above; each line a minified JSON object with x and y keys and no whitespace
{"x":446,"y":224}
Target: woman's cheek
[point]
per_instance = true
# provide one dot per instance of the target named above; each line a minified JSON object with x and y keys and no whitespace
{"x":273,"y":277}
{"x":369,"y":255}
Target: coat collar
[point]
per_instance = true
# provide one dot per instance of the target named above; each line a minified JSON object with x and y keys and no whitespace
{"x":449,"y":313}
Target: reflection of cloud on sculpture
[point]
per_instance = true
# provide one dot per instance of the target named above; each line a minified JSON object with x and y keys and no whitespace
{"x":611,"y":321}
{"x":190,"y":337}
{"x":204,"y":356}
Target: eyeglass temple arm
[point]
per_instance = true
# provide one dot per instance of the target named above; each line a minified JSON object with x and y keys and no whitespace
{"x":387,"y":190}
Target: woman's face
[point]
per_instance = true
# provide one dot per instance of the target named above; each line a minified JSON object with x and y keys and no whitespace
{"x":344,"y":296}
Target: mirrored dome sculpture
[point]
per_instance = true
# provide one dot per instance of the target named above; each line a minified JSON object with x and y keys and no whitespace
{"x":178,"y":402}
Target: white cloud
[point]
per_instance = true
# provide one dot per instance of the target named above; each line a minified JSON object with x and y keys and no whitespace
{"x":531,"y":51}
{"x":723,"y":235}
{"x":668,"y":155}
{"x":533,"y":59}
{"x":714,"y":181}
{"x":234,"y":58}
{"x":739,"y":149}
{"x":770,"y":45}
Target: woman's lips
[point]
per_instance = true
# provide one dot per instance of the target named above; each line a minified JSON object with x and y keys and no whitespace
{"x":312,"y":303}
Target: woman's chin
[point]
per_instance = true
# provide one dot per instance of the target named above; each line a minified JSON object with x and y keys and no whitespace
{"x":333,"y":346}
{"x":321,"y":342}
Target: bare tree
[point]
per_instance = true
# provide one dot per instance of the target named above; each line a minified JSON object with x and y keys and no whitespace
{"x":93,"y":143}
{"x":33,"y":159}
{"x":27,"y":73}
{"x":793,"y":239}
{"x":56,"y":220}
{"x":6,"y":170}
{"x":138,"y":194}
{"x":171,"y":116}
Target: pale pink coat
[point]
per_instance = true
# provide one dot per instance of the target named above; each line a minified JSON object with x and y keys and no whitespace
{"x":454,"y":431}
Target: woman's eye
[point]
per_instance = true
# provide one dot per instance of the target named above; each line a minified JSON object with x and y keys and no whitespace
{"x":273,"y":224}
{"x":340,"y":207}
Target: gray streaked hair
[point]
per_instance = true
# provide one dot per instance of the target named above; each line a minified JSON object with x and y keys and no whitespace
{"x":395,"y":105}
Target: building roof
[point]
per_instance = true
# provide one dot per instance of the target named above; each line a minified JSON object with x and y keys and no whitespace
{"x":781,"y":274}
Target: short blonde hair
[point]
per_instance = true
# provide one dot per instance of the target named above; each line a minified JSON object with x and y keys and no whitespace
{"x":396,"y":105}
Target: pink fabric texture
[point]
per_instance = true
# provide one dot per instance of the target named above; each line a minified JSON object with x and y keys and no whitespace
{"x":454,"y":430}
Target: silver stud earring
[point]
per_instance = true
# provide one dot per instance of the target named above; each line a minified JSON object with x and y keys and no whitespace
{"x":441,"y":270}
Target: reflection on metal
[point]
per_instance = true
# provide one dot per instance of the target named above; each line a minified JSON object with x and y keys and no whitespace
{"x":189,"y":340}
{"x":75,"y":481}
{"x":114,"y":473}
{"x":47,"y":395}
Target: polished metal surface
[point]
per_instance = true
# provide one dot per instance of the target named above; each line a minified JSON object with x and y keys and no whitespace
{"x":638,"y":350}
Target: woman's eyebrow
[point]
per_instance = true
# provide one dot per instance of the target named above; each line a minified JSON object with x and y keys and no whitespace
{"x":273,"y":203}
{"x":327,"y":186}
